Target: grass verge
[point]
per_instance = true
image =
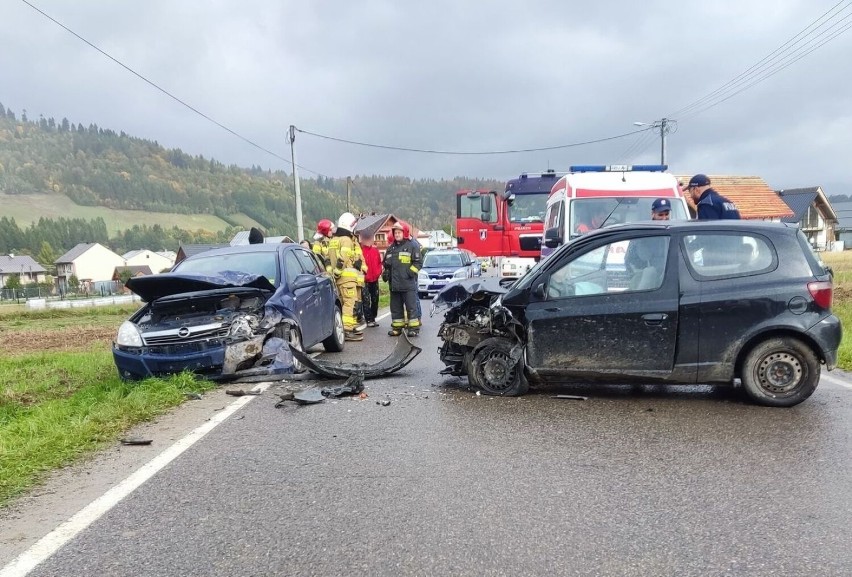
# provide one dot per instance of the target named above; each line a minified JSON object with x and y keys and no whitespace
{"x":56,"y":407}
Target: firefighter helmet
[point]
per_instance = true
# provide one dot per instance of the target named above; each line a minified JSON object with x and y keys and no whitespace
{"x":325,"y":228}
{"x":406,"y":230}
{"x":347,"y":221}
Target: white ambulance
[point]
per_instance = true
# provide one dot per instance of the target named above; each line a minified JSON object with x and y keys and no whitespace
{"x":591,"y":197}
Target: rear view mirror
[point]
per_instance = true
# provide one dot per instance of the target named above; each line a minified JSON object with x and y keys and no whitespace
{"x":552,"y":238}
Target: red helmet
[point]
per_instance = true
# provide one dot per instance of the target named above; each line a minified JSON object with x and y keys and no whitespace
{"x":325,"y":227}
{"x":406,"y":230}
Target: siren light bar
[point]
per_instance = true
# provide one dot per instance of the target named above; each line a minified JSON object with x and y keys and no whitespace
{"x":619,"y":168}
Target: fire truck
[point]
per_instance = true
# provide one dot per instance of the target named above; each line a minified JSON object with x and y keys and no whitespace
{"x":506,"y":226}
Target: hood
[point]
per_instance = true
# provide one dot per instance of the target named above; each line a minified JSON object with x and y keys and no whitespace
{"x":459,"y":291}
{"x":155,"y":286}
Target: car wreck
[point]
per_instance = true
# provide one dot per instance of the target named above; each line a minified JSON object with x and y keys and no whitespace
{"x":230,"y":314}
{"x":676,"y":303}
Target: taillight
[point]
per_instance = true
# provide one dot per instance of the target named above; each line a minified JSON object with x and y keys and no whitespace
{"x":821,"y":291}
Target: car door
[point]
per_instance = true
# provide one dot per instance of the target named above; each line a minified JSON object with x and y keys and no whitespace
{"x":325,"y":285}
{"x":587,"y":318}
{"x":307,"y":300}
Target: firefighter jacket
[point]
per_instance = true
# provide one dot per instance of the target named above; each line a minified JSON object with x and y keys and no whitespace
{"x":320,"y":248}
{"x":402,"y":263}
{"x":344,"y":253}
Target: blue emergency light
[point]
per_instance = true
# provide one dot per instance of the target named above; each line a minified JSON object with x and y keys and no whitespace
{"x":620,"y":168}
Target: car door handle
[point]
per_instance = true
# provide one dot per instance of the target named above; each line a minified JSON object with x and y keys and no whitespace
{"x":654,"y":318}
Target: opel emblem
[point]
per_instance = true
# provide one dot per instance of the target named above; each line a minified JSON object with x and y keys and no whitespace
{"x":183,"y":332}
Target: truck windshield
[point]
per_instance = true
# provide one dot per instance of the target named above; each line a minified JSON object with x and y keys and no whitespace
{"x":528,"y":208}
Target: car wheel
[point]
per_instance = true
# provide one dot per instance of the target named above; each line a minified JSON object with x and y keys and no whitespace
{"x":422,"y":295}
{"x":780,"y":372}
{"x":293,"y":336}
{"x":334,"y":343}
{"x":491,"y":369}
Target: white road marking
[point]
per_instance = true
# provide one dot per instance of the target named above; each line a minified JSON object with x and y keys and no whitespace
{"x":831,"y":379}
{"x":53,"y":541}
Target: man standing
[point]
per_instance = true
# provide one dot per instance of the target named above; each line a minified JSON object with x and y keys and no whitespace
{"x":325,"y":228}
{"x":373,"y":260}
{"x":709,"y":204}
{"x":661,"y":209}
{"x":402,"y":263}
{"x":344,"y":254}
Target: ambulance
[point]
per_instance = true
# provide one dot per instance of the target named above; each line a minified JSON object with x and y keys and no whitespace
{"x":591,"y":196}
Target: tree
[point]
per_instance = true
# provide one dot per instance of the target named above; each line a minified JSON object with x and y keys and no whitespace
{"x":14,"y":282}
{"x":74,"y":283}
{"x":46,"y":256}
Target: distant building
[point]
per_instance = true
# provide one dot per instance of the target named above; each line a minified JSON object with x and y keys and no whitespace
{"x":754,"y":198}
{"x":92,"y":264}
{"x":242,"y":238}
{"x":143,"y":257}
{"x":187,"y":250}
{"x":437,"y":239}
{"x":27,"y":269}
{"x":813,"y":213}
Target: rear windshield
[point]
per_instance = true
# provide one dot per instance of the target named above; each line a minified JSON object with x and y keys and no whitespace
{"x":442,"y":260}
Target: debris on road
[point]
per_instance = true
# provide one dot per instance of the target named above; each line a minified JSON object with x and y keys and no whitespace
{"x":354,"y":385}
{"x":384,"y":403}
{"x":571,"y":397}
{"x":240,"y":392}
{"x":192,"y":396}
{"x":403,"y":353}
{"x":136,"y":441}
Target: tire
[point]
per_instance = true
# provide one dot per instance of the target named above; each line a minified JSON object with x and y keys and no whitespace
{"x":780,"y":372}
{"x":491,"y":369}
{"x":334,"y":343}
{"x":423,"y":295}
{"x":293,"y":336}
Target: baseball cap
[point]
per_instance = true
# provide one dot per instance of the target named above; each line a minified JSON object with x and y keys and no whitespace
{"x":698,"y":180}
{"x":661,"y":205}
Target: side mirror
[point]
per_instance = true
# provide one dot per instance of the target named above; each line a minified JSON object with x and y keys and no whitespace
{"x":552,"y":238}
{"x":485,"y":204}
{"x":539,"y":291}
{"x":304,"y":281}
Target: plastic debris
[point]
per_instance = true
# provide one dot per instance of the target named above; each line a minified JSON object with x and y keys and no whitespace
{"x":571,"y":397}
{"x":136,"y":441}
{"x":384,"y":403}
{"x":240,"y":392}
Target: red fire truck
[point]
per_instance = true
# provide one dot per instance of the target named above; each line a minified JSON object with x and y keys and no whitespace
{"x":507,"y":225}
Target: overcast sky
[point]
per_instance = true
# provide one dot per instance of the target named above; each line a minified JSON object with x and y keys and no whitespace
{"x":456,"y":75}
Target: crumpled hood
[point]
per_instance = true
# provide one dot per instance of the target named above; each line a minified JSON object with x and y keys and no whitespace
{"x":155,"y":286}
{"x":458,"y":292}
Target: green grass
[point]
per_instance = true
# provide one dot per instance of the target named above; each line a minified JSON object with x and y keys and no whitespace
{"x":26,"y":208}
{"x":57,"y":407}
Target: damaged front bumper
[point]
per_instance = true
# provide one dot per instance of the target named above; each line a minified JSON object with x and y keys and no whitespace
{"x":402,"y":354}
{"x":218,"y":360}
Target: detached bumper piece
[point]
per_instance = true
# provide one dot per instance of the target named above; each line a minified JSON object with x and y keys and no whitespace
{"x":403,"y":353}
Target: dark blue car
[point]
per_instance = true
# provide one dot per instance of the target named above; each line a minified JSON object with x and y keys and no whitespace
{"x":231,"y":313}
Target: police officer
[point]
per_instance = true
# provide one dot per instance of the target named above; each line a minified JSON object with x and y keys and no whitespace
{"x":710,"y":204}
{"x":401,"y":264}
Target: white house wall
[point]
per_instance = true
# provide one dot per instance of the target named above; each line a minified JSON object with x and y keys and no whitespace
{"x":97,"y":264}
{"x":156,"y":262}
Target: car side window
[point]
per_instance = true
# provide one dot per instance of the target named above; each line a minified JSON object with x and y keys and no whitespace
{"x":292,"y":268}
{"x":632,"y":265}
{"x":309,"y":262}
{"x":712,"y":255}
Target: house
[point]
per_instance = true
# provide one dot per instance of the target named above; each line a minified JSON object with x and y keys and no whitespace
{"x":143,"y":257}
{"x":813,"y":213}
{"x":379,"y":227}
{"x":754,"y":198}
{"x":187,"y":250}
{"x":122,"y":273}
{"x":27,"y":269}
{"x":90,"y":262}
{"x":438,"y":239}
{"x":843,"y":227}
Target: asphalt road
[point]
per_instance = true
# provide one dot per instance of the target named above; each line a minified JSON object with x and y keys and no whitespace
{"x":633,"y":481}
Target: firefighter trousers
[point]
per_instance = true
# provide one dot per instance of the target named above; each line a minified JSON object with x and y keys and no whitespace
{"x":402,"y":303}
{"x":350,"y":293}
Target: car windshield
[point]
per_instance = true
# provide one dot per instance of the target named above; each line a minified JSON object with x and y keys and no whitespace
{"x":259,"y":263}
{"x":442,"y":260}
{"x":528,"y":208}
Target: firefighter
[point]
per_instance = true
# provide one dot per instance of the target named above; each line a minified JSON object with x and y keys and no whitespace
{"x":344,"y":253}
{"x":402,"y":263}
{"x":325,"y":229}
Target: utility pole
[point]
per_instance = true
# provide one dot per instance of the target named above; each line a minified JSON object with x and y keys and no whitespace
{"x":300,"y":225}
{"x":665,"y":126}
{"x":348,"y":194}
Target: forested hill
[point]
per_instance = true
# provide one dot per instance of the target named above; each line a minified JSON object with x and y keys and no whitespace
{"x":94,"y":166}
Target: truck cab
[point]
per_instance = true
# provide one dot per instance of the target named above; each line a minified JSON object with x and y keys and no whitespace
{"x":593,"y":196}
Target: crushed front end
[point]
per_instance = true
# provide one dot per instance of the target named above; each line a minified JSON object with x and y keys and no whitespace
{"x":222,"y":334}
{"x":481,"y":338}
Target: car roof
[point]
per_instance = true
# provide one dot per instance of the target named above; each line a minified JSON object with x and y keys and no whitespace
{"x":681,"y":225}
{"x":248,"y":248}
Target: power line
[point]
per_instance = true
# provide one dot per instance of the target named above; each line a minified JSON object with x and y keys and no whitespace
{"x":774,"y":60}
{"x":163,"y":90}
{"x":467,"y":153}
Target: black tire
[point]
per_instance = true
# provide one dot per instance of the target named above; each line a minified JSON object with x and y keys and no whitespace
{"x":422,"y":295}
{"x":293,"y":336}
{"x":491,"y":369}
{"x":334,"y":343}
{"x":780,"y":372}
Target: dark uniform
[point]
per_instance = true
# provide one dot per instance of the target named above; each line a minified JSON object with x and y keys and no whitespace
{"x":401,"y":264}
{"x":713,"y":206}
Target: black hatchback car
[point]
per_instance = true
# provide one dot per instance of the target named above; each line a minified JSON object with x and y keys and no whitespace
{"x":678,"y":302}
